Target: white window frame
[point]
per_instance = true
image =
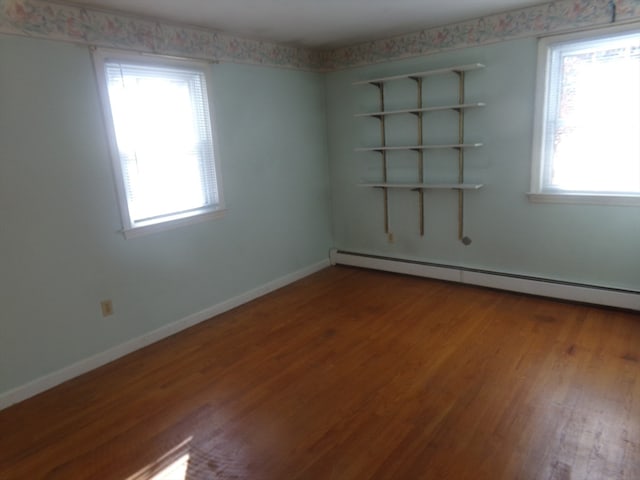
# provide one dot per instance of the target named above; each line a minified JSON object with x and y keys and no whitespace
{"x":539,"y":193}
{"x":131,"y":228}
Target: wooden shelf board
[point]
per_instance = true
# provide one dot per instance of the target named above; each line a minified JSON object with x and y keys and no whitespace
{"x":425,"y":186}
{"x":418,"y":147}
{"x":425,"y":109}
{"x":428,"y":73}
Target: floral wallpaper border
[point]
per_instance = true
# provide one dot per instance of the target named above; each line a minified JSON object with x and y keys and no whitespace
{"x":56,"y":21}
{"x":44,"y":19}
{"x":549,"y":18}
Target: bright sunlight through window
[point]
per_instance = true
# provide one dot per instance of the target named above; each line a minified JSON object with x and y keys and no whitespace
{"x":588,"y":121}
{"x":161,"y":137}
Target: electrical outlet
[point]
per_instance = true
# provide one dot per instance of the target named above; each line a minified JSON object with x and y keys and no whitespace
{"x":107,"y":308}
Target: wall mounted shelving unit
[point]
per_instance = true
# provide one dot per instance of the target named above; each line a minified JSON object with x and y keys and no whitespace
{"x":419,"y":111}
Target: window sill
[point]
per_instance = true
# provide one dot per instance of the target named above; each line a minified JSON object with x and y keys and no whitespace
{"x":584,"y":198}
{"x":171,"y":223}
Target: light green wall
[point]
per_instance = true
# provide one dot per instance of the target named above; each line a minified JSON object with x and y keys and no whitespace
{"x":60,"y":250}
{"x":61,"y":253}
{"x":580,"y":243}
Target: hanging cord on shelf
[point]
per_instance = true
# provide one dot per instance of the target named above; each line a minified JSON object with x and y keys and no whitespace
{"x":613,"y":8}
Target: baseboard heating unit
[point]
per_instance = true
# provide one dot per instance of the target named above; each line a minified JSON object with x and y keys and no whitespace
{"x":613,"y":297}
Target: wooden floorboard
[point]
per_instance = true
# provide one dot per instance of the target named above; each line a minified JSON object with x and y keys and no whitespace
{"x":353,"y":374}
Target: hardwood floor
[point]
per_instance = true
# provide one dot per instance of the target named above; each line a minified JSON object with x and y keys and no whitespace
{"x":353,"y":374}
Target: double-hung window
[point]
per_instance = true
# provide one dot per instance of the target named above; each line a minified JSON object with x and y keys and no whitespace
{"x":587,"y":126}
{"x":162,"y":143}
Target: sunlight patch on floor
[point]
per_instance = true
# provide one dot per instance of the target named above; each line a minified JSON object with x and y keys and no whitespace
{"x":175,"y":471}
{"x":173,"y":465}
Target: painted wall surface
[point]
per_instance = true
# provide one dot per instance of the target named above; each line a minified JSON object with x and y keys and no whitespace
{"x":579,"y":243}
{"x":60,"y":250}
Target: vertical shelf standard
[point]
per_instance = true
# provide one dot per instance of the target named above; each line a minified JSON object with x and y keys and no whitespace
{"x":383,"y":141}
{"x":419,"y":114}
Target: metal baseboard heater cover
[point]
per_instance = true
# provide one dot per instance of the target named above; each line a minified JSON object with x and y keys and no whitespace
{"x":598,"y":295}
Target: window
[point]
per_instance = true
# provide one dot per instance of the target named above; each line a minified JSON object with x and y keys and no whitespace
{"x":586,"y":139}
{"x":159,"y":125}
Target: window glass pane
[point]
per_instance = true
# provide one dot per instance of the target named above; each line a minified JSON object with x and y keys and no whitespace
{"x":162,"y":129}
{"x":593,"y":117}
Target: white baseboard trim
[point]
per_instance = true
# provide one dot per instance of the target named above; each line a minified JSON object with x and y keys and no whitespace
{"x":611,"y":297}
{"x":83,"y":366}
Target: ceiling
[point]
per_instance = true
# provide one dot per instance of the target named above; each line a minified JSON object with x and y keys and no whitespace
{"x":313,"y":23}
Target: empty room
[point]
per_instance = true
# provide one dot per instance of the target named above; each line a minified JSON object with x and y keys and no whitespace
{"x":306,"y":239}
